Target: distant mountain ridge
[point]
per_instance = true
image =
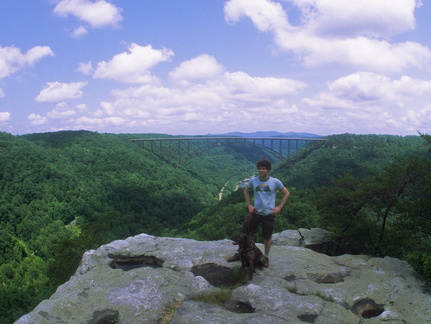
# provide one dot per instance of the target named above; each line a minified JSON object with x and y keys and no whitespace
{"x":270,"y":134}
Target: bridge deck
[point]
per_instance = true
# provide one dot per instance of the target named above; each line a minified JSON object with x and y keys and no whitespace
{"x":226,"y":137}
{"x":281,"y":147}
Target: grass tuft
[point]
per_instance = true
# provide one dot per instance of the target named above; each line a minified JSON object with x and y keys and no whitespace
{"x":169,"y":313}
{"x":218,"y":297}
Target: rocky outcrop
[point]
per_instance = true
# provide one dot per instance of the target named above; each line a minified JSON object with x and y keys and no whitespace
{"x":147,"y":279}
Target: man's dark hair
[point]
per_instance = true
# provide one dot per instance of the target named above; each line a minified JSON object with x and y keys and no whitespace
{"x":264,"y":163}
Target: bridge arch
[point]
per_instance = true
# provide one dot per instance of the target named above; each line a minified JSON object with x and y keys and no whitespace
{"x":179,"y":148}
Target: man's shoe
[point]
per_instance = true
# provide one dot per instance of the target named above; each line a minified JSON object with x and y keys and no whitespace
{"x":233,"y":258}
{"x":266,"y":262}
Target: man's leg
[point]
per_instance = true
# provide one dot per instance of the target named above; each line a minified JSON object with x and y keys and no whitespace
{"x":267,"y":244}
{"x":267,"y":229}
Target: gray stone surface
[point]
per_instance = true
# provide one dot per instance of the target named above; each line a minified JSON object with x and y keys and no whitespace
{"x":147,"y":279}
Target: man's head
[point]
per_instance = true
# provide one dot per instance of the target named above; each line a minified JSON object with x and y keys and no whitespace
{"x":264,"y":163}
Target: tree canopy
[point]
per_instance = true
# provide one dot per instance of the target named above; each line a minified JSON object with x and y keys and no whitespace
{"x":63,"y":193}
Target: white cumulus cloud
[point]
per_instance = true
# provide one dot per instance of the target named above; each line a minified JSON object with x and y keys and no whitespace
{"x":364,"y":102}
{"x":196,"y":69}
{"x":79,"y":31}
{"x":62,"y":111}
{"x":357,"y":32}
{"x":12,"y":59}
{"x":85,"y":68}
{"x":341,"y":18}
{"x":365,"y":86}
{"x":204,"y":94}
{"x":58,"y":91}
{"x":4,"y":116}
{"x":133,"y":66}
{"x":36,"y":119}
{"x":97,"y":14}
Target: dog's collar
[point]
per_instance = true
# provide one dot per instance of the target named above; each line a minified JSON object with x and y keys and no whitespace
{"x":249,"y":250}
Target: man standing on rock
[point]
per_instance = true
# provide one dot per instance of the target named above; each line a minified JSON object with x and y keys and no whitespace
{"x":264,"y":210}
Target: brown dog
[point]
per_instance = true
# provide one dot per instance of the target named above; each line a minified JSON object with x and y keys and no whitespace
{"x":249,"y":254}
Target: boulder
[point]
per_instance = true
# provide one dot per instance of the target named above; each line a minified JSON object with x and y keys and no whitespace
{"x":148,"y":279}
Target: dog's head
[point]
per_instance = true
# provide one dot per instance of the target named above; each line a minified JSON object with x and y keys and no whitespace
{"x":241,"y":239}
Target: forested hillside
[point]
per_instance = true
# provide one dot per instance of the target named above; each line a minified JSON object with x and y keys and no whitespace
{"x":67,"y":192}
{"x":373,"y":192}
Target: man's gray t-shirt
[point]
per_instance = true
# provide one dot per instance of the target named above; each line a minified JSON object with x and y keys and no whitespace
{"x":264,"y":193}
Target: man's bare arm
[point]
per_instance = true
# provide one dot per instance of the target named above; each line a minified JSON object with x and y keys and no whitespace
{"x":286,"y":194}
{"x":248,"y":200}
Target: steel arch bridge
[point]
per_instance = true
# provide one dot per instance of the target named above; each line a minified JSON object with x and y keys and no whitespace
{"x":179,"y":148}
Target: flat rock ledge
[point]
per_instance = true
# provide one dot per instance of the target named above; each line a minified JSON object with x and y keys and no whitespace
{"x":148,"y":279}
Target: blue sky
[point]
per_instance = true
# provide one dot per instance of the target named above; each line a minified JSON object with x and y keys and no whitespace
{"x":195,"y":67}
